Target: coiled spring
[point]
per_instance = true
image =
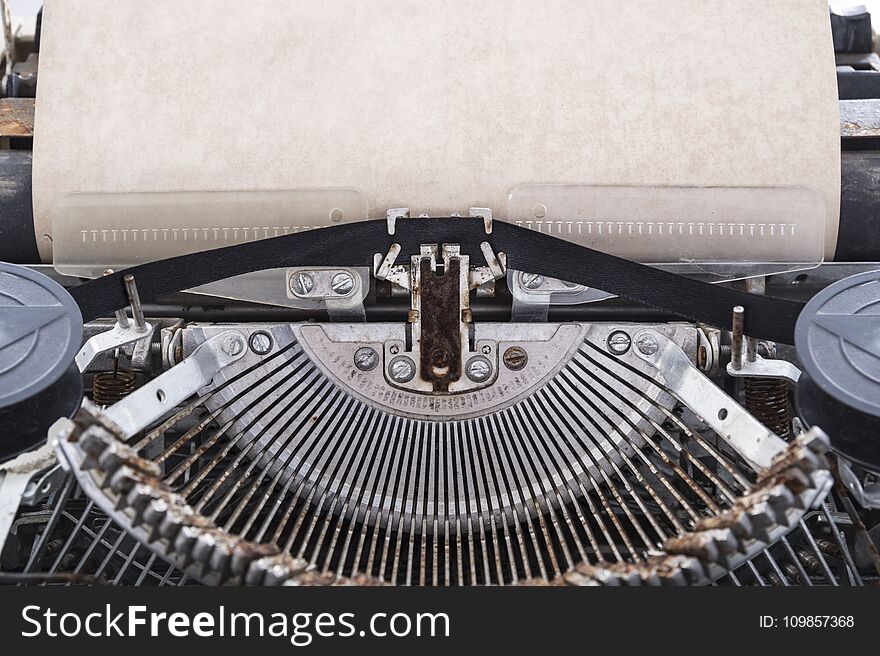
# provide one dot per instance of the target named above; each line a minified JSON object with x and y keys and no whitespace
{"x":767,"y":399}
{"x":112,"y":386}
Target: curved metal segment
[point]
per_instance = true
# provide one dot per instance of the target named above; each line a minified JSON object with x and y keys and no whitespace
{"x":278,"y":474}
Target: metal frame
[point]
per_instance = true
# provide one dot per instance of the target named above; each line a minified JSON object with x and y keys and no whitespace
{"x":163,"y":394}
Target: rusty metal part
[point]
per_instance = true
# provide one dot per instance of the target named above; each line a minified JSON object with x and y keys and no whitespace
{"x":224,"y":510}
{"x":515,"y":358}
{"x":767,"y":399}
{"x":110,"y":387}
{"x":128,"y":487}
{"x":841,"y":491}
{"x":440,"y":315}
{"x":16,"y":117}
{"x":737,"y":337}
{"x":799,"y":479}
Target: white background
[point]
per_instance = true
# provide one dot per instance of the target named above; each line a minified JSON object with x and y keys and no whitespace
{"x":24,"y":7}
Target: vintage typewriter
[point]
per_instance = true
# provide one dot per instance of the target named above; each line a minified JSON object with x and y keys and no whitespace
{"x":578,"y":385}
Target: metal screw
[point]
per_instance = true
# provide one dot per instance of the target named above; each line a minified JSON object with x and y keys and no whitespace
{"x":366,"y":358}
{"x":441,"y":359}
{"x":515,"y":358}
{"x":402,"y":369}
{"x":260,"y":342}
{"x":395,"y":349}
{"x":619,"y":342}
{"x":233,"y":345}
{"x":486,"y":349}
{"x":478,"y":369}
{"x":531,"y":280}
{"x":302,"y":284}
{"x":342,"y":284}
{"x":648,"y":344}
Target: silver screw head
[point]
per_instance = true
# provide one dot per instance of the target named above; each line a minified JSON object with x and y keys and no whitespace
{"x":531,"y":280}
{"x":366,"y":358}
{"x":260,"y":342}
{"x":647,"y":344}
{"x":619,"y":342}
{"x":402,"y":369}
{"x":486,"y":350}
{"x":302,"y":284}
{"x":395,"y":349}
{"x":342,"y":284}
{"x":515,"y":358}
{"x":478,"y":369}
{"x":233,"y":345}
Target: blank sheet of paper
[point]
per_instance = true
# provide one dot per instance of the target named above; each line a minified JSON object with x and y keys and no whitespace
{"x":164,"y":116}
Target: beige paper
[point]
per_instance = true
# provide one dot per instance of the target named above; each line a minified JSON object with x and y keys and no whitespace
{"x":435,"y":106}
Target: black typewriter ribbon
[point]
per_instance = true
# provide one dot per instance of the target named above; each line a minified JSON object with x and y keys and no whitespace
{"x":354,"y":244}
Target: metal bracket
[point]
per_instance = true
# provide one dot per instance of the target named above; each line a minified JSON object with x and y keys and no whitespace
{"x":392,"y":215}
{"x":395,"y":213}
{"x":440,"y":369}
{"x":763,"y":368}
{"x":125,"y":331}
{"x":385,"y":268}
{"x":115,"y":338}
{"x":496,"y":269}
{"x":340,"y":291}
{"x":162,"y":394}
{"x":533,"y":295}
{"x":749,"y":437}
{"x":867,"y":496}
{"x":482,"y":213}
{"x":745,"y":361}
